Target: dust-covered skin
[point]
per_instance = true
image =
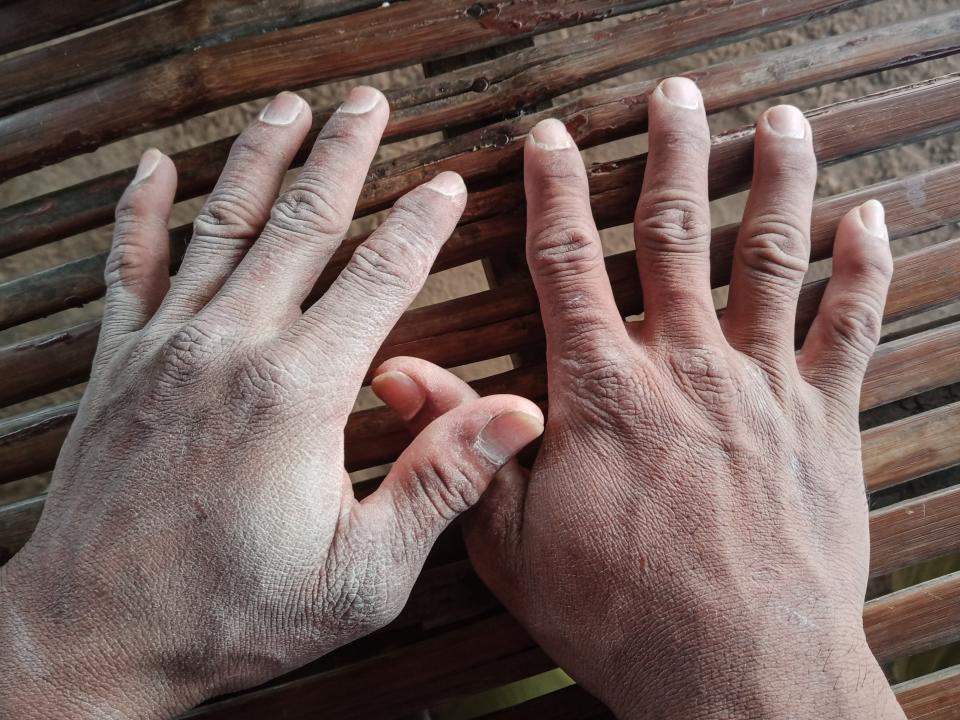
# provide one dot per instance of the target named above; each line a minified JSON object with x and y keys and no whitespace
{"x":201,"y":534}
{"x":692,"y":541}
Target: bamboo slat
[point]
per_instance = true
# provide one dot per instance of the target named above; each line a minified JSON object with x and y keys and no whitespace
{"x":82,"y":207}
{"x":366,"y":42}
{"x":931,"y":697}
{"x":911,"y":365}
{"x":26,"y":22}
{"x":911,"y":447}
{"x":916,"y":530}
{"x":914,"y":620}
{"x":132,"y":43}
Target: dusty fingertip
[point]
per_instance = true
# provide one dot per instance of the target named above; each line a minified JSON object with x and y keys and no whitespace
{"x":550,"y":134}
{"x":400,"y":392}
{"x":447,"y":183}
{"x":283,"y":109}
{"x":362,"y":99}
{"x":873,"y":217}
{"x":786,"y":121}
{"x":681,"y":92}
{"x":149,"y":162}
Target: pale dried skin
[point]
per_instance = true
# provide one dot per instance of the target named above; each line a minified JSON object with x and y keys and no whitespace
{"x":201,"y":534}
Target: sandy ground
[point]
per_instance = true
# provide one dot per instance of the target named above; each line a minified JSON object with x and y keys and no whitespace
{"x":470,"y":279}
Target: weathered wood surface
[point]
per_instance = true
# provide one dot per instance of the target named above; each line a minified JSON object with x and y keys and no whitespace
{"x":434,"y":106}
{"x":134,"y":42}
{"x":27,"y":22}
{"x":932,"y":697}
{"x":185,"y":85}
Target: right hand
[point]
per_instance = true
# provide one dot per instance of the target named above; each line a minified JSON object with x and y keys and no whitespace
{"x":693,"y":540}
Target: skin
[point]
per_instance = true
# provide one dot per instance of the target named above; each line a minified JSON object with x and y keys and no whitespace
{"x":691,"y":541}
{"x":201,"y":534}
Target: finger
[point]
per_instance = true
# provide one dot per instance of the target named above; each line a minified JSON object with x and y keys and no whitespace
{"x":773,"y":245}
{"x":420,"y":392}
{"x":563,"y":247}
{"x":382,"y":278}
{"x":308,"y":222}
{"x":672,"y":222}
{"x":137,"y":272}
{"x":239,"y":205}
{"x":446,"y":469}
{"x":846,"y":329}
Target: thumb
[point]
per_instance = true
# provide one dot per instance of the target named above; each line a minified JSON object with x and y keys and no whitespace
{"x":446,"y":469}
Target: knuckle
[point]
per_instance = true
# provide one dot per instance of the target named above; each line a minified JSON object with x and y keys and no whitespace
{"x":872,"y":264}
{"x":672,"y":220}
{"x":229,"y":213}
{"x":447,"y":487}
{"x":189,"y":351}
{"x":565,"y":250}
{"x":855,"y":322}
{"x":371,"y":266}
{"x":607,"y":386}
{"x":306,"y":208}
{"x":264,"y":382}
{"x":705,"y":375}
{"x":775,"y":247}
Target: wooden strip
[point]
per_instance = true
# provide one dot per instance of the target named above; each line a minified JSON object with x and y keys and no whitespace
{"x":216,"y":76}
{"x":135,"y":42}
{"x":30,"y":444}
{"x":914,"y":446}
{"x":881,"y":120}
{"x":931,"y":697}
{"x":475,"y":658}
{"x":914,"y":531}
{"x":569,"y":703}
{"x":27,"y":22}
{"x":82,"y":207}
{"x":17,"y":522}
{"x":29,"y":369}
{"x":914,"y":620}
{"x":911,"y":365}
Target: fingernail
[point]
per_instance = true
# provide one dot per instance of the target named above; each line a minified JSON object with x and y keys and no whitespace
{"x":148,"y":163}
{"x":447,"y":183}
{"x":360,"y":100}
{"x":682,"y":92}
{"x":400,"y":392}
{"x":507,"y":434}
{"x":283,"y":109}
{"x":787,"y":121}
{"x":874,"y":218}
{"x":550,"y":134}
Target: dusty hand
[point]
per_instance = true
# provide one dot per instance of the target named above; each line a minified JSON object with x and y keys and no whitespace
{"x":201,"y":534}
{"x":692,"y":541}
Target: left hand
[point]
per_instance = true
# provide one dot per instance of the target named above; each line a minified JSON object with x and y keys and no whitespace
{"x":201,"y":534}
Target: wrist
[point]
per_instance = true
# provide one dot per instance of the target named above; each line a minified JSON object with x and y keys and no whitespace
{"x":783,"y":679}
{"x":55,"y":663}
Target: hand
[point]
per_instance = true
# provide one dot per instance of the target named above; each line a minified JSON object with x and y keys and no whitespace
{"x":693,"y":539}
{"x":201,"y":534}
